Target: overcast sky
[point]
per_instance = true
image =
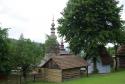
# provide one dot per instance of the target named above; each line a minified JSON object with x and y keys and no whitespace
{"x":33,"y":18}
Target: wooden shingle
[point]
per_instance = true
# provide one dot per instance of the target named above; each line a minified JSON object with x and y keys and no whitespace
{"x":67,"y":62}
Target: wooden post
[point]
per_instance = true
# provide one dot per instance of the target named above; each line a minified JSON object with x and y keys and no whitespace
{"x":34,"y":77}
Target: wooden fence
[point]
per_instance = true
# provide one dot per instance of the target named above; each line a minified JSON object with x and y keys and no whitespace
{"x":18,"y":79}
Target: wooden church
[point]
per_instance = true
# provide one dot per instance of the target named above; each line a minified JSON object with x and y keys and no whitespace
{"x":60,"y":66}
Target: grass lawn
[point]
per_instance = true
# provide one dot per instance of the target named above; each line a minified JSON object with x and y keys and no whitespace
{"x":112,"y":78}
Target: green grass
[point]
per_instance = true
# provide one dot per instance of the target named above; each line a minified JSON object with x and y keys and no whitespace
{"x":112,"y":78}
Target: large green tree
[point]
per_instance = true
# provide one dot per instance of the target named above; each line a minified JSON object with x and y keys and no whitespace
{"x":4,"y":54}
{"x":85,"y":24}
{"x":25,"y":54}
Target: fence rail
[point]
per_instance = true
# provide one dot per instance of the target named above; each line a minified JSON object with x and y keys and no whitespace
{"x":18,"y":79}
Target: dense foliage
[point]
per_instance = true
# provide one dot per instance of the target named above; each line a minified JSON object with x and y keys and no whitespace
{"x":4,"y":54}
{"x":25,"y":54}
{"x":20,"y":54}
{"x":85,"y":24}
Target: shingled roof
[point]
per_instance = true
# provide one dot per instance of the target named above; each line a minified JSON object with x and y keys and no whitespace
{"x":66,"y":62}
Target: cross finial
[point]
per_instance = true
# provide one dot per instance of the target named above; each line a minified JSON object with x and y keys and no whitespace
{"x":53,"y":19}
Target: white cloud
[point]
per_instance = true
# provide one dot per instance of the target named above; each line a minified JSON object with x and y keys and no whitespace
{"x":32,"y":17}
{"x":122,"y":2}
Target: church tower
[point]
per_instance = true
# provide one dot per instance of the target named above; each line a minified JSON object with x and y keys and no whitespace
{"x":53,"y":46}
{"x":62,"y":45}
{"x":62,"y":51}
{"x":58,"y":48}
{"x":53,"y":29}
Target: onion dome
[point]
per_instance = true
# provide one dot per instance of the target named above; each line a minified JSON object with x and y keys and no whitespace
{"x":53,"y":29}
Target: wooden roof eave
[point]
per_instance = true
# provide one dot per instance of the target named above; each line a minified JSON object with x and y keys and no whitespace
{"x":74,"y":67}
{"x":120,"y":54}
{"x":46,"y":62}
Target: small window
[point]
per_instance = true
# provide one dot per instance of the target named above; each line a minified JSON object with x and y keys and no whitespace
{"x":55,"y":66}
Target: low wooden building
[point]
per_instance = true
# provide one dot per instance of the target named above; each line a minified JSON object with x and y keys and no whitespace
{"x":121,"y":56}
{"x":60,"y":68}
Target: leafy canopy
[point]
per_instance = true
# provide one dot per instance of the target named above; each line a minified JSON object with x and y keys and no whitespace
{"x":85,"y":24}
{"x":27,"y":52}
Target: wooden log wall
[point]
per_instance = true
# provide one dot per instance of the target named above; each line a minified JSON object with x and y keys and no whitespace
{"x":53,"y":75}
{"x":71,"y":73}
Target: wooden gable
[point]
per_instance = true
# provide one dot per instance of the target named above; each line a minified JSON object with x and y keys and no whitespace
{"x":51,"y":65}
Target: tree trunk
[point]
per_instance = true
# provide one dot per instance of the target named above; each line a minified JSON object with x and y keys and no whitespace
{"x":94,"y":62}
{"x":87,"y":70}
{"x":116,"y":61}
{"x":24,"y":72}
